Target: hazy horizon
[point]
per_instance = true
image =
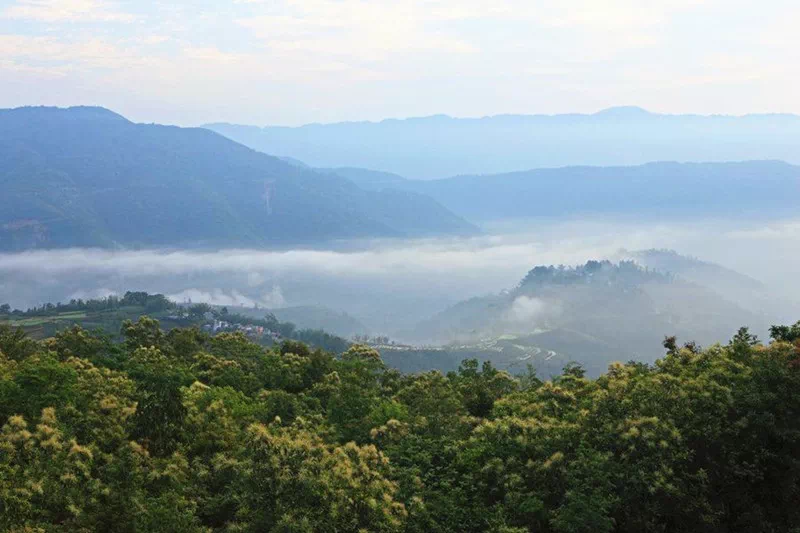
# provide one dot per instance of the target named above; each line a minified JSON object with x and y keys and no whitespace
{"x":601,"y":111}
{"x":325,"y":61}
{"x":432,"y":116}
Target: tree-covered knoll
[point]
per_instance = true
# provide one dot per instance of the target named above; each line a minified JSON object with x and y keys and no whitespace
{"x":183,"y":431}
{"x":150,"y":303}
{"x":594,"y":313}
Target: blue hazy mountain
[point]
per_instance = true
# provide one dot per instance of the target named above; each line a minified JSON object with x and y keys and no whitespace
{"x":752,"y":188}
{"x":369,"y":179}
{"x":651,"y":190}
{"x":88,"y":177}
{"x":441,"y":146}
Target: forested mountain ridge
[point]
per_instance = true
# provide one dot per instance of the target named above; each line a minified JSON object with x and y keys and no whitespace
{"x":89,"y":177}
{"x":183,"y":431}
{"x":440,"y":146}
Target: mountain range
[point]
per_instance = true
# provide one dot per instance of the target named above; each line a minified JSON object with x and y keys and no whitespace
{"x":662,"y":189}
{"x":441,"y":146}
{"x":86,"y":176}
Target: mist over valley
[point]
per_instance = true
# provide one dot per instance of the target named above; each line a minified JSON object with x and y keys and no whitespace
{"x":417,"y":266}
{"x":403,"y":288}
{"x":109,"y":206}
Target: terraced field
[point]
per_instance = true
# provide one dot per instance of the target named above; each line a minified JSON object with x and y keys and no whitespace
{"x":41,"y":327}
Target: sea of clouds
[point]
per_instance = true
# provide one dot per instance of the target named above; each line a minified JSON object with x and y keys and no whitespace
{"x":392,"y":284}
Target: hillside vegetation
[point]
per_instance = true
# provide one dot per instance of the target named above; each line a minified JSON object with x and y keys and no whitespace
{"x":107,"y":315}
{"x":182,"y":431}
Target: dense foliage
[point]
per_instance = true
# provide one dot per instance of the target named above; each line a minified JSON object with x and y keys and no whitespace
{"x":181,"y":431}
{"x":151,"y":303}
{"x":605,"y":272}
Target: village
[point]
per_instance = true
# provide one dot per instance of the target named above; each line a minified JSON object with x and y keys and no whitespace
{"x":258,"y":333}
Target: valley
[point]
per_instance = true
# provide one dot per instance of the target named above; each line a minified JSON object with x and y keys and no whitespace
{"x":418,"y":266}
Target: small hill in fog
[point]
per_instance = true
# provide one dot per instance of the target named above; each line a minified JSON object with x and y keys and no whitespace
{"x":593,"y":313}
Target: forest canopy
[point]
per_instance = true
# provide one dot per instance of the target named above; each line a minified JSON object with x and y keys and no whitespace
{"x":183,"y":431}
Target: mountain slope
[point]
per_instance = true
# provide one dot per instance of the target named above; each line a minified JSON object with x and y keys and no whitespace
{"x":324,"y":318}
{"x":89,"y":177}
{"x":370,"y":179}
{"x":311,"y":317}
{"x":717,"y":277}
{"x":743,"y":290}
{"x":654,"y":189}
{"x":439,"y":146}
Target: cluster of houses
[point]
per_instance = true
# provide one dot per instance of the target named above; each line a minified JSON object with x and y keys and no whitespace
{"x":255,"y":332}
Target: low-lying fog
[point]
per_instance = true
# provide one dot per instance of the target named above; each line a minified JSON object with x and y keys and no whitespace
{"x":391,"y":285}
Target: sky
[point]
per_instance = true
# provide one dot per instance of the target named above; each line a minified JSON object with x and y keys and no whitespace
{"x":290,"y":62}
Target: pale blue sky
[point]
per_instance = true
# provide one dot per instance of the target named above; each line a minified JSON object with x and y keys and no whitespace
{"x":298,"y":61}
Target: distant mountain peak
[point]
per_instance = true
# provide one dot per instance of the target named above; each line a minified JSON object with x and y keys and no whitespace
{"x":628,"y":111}
{"x":89,"y":112}
{"x":96,"y":111}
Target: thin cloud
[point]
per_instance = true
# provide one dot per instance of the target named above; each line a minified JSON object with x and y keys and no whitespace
{"x":292,"y":61}
{"x":392,"y":285}
{"x":66,"y":11}
{"x":271,"y":300}
{"x":505,"y":256}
